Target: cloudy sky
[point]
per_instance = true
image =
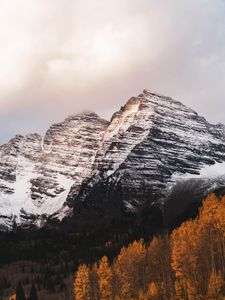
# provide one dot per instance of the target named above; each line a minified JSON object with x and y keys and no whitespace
{"x":59,"y":57}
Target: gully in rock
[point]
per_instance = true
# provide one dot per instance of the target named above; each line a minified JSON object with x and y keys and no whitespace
{"x":118,"y":169}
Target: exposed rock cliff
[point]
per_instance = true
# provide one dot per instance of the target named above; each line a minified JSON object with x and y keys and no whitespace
{"x":37,"y":173}
{"x":156,"y":142}
{"x":151,"y":147}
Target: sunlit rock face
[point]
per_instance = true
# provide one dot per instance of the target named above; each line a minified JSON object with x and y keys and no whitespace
{"x":151,"y":146}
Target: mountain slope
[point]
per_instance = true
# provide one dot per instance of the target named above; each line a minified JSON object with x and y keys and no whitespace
{"x":166,"y":142}
{"x":87,"y":166}
{"x":37,"y":173}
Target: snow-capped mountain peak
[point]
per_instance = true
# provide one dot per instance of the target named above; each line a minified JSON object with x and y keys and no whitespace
{"x":37,"y":173}
{"x":149,"y":145}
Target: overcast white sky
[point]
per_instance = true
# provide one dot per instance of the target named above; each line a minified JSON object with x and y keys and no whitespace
{"x":58,"y":57}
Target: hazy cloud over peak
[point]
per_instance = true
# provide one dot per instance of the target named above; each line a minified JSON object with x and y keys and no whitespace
{"x":60,"y":57}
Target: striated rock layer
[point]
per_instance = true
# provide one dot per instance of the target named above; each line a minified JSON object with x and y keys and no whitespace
{"x":151,"y":148}
{"x":37,"y":173}
{"x":156,"y":142}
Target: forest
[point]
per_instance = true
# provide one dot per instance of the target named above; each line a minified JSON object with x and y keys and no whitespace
{"x":188,"y":264}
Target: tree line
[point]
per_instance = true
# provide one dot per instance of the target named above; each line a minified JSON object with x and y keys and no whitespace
{"x":188,"y":264}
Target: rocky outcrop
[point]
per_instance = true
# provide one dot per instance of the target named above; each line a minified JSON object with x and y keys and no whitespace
{"x":86,"y":166}
{"x":158,"y":142}
{"x":37,"y":173}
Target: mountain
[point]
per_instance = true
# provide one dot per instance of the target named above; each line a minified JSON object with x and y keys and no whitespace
{"x":152,"y":150}
{"x":36,"y":173}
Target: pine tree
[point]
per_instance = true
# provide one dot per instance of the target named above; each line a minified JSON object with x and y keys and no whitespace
{"x":20,"y":295}
{"x":82,"y":288}
{"x":105,"y":280}
{"x":33,"y":293}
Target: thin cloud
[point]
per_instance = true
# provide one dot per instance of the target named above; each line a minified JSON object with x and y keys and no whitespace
{"x":60,"y":57}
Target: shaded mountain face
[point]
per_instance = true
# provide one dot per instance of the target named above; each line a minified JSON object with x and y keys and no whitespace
{"x":89,"y":168}
{"x":37,"y":173}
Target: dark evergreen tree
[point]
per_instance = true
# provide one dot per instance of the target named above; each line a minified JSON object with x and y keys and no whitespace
{"x":33,"y":293}
{"x":20,"y":295}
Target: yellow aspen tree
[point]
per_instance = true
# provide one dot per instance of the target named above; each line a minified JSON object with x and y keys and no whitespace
{"x":159,"y":265}
{"x":220,"y":225}
{"x":192,"y":291}
{"x":185,"y":258}
{"x":129,"y":270}
{"x":180,"y":290}
{"x":208,"y":210}
{"x":152,"y":290}
{"x":105,"y":280}
{"x":220,"y":217}
{"x":215,"y":286}
{"x":212,"y":238}
{"x":142,"y":295}
{"x":184,"y":250}
{"x":82,"y":289}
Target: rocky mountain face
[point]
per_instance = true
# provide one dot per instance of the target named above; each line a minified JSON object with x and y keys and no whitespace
{"x":37,"y":173}
{"x":152,"y":149}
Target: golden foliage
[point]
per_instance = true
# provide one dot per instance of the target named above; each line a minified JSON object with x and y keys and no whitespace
{"x":216,"y":283}
{"x":82,"y":284}
{"x":104,"y":280}
{"x":129,"y":270}
{"x":187,"y":265}
{"x":152,"y":290}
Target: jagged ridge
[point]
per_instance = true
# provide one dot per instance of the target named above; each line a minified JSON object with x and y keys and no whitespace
{"x":121,"y":166}
{"x":169,"y":141}
{"x":37,"y":173}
